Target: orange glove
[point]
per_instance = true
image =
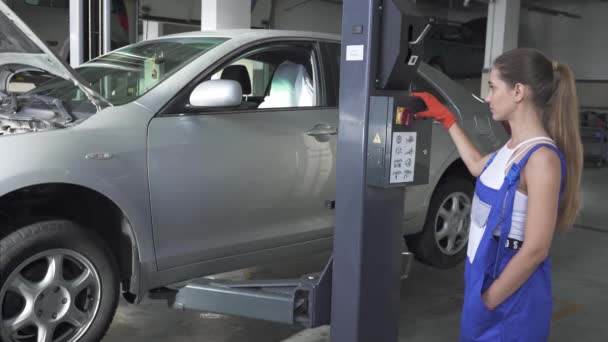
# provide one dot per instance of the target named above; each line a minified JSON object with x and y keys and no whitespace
{"x":435,"y":110}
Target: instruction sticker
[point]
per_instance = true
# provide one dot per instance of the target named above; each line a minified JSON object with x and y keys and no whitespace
{"x":354,"y":53}
{"x":403,"y":157}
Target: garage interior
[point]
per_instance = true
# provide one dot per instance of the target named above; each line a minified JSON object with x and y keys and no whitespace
{"x":570,"y":31}
{"x":431,"y":299}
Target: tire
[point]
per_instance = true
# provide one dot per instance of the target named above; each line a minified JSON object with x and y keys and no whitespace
{"x":76,"y":304}
{"x":427,"y":246}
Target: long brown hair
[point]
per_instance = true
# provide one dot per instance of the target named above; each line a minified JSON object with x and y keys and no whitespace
{"x":553,"y":93}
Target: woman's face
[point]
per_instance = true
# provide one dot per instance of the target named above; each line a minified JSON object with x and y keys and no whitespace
{"x":500,"y":98}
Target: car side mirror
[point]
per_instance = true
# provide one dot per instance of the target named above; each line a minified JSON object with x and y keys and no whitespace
{"x":217,"y":93}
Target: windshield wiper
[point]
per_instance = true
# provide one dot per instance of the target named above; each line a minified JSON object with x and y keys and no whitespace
{"x":51,"y":101}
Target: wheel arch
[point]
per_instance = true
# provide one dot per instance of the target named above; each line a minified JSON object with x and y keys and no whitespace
{"x":85,"y":206}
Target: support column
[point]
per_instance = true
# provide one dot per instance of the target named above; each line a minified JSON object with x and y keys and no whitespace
{"x":225,"y":14}
{"x":106,"y":27}
{"x":501,"y":34}
{"x":151,"y":29}
{"x":76,"y":33}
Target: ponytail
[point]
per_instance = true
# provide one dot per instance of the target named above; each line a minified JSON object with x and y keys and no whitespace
{"x":562,"y":118}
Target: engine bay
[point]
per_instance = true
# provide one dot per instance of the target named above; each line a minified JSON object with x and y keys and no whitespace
{"x":30,"y":113}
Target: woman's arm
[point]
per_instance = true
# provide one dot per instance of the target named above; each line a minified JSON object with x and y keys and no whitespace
{"x":469,"y":153}
{"x":543,"y":175}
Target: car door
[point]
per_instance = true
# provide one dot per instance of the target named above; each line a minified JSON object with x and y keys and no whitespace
{"x":230,"y":181}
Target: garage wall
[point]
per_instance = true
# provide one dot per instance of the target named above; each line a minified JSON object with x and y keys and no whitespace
{"x":593,"y":94}
{"x":315,"y":15}
{"x":582,"y":43}
{"x":260,"y":16}
{"x":187,"y":9}
{"x":190,"y":10}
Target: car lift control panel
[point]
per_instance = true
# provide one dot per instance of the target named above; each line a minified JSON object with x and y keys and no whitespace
{"x":399,"y":147}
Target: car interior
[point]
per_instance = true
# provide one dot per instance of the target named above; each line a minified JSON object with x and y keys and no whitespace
{"x":274,"y":78}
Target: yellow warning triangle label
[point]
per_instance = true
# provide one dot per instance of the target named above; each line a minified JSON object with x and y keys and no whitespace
{"x":377,"y":139}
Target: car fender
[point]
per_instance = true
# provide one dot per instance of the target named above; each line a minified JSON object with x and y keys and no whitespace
{"x":67,"y":156}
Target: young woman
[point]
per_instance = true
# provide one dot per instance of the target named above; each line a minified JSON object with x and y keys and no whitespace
{"x":524,"y":192}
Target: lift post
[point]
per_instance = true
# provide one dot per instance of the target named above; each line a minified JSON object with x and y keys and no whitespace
{"x":381,"y":51}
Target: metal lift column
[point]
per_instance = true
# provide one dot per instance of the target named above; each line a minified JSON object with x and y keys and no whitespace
{"x":368,"y":234}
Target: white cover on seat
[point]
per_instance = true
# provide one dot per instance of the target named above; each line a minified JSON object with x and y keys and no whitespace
{"x":290,"y":87}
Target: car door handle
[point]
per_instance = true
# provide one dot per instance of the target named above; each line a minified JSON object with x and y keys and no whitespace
{"x":52,"y":42}
{"x":321,"y":130}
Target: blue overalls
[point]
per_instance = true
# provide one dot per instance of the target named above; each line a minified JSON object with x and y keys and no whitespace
{"x":525,"y":315}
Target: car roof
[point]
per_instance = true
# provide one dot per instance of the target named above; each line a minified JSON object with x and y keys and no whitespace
{"x":245,"y":36}
{"x":255,"y":34}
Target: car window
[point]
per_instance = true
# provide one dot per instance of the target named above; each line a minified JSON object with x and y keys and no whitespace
{"x":248,"y":71}
{"x":276,"y":76}
{"x":48,"y":3}
{"x":126,"y":74}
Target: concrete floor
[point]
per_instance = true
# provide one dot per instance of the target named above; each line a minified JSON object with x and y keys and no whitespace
{"x":430,"y":300}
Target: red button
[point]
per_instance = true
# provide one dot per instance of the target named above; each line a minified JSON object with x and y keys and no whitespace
{"x":403,"y":116}
{"x":407,"y":117}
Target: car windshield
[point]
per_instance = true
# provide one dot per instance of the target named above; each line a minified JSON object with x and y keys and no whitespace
{"x":128,"y":73}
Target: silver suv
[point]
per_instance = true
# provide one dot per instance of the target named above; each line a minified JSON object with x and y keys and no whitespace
{"x":181,"y":157}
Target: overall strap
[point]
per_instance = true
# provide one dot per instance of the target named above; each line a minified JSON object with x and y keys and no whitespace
{"x":527,"y":148}
{"x":512,"y":181}
{"x":561,"y":156}
{"x":528,"y":141}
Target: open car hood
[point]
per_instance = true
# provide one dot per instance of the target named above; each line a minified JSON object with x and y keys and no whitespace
{"x":20,"y":47}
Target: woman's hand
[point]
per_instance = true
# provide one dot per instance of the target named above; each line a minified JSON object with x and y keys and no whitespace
{"x":471,"y":156}
{"x":487,"y":301}
{"x":435,"y":110}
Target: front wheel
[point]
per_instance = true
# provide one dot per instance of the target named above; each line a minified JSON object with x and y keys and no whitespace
{"x":58,"y":282}
{"x":443,"y":240}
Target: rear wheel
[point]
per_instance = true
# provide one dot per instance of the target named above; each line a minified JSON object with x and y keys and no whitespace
{"x":58,"y":282}
{"x":443,"y":240}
